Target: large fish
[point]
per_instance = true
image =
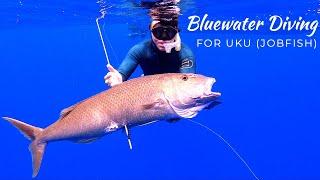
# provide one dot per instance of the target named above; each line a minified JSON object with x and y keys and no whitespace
{"x":131,"y":103}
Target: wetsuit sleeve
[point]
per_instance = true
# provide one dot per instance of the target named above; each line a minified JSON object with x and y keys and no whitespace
{"x":188,"y":61}
{"x":130,"y":62}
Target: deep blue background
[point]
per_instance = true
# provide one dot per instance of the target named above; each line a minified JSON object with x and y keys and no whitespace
{"x":270,"y":110}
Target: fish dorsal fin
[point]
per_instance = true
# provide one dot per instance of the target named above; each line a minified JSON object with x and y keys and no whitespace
{"x":184,"y":113}
{"x":67,"y":111}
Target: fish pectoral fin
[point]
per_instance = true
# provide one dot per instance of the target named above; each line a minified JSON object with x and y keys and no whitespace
{"x":154,"y":105}
{"x":184,"y":113}
{"x":85,"y":141}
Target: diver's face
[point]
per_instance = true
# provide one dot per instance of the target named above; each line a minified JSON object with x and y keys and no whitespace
{"x":160,"y":43}
{"x":162,"y":35}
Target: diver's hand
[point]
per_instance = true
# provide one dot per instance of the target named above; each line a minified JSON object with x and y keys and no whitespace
{"x":113,"y":77}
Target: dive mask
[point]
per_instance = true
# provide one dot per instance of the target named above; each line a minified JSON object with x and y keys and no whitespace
{"x":164,"y":32}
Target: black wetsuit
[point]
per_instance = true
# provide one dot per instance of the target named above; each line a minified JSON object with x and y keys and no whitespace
{"x":154,"y":61}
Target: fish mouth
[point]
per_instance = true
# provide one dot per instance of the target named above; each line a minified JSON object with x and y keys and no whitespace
{"x":208,"y":91}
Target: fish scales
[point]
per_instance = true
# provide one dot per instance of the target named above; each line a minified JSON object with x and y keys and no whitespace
{"x":116,"y":105}
{"x":131,"y":103}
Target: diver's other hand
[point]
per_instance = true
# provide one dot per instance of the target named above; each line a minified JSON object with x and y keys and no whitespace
{"x":113,"y":77}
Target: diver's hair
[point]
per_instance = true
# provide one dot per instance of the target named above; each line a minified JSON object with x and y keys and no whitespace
{"x":164,"y":23}
{"x":173,"y":23}
{"x":165,"y":11}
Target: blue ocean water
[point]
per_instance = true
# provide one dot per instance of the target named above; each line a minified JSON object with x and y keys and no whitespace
{"x":51,"y":57}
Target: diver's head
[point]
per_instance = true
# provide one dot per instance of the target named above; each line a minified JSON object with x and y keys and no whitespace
{"x":165,"y":36}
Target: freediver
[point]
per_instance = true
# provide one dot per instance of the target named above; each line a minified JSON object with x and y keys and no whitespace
{"x":164,"y":53}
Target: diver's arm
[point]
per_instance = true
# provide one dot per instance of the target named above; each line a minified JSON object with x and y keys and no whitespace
{"x":125,"y":69}
{"x":188,"y":65}
{"x":188,"y":61}
{"x":130,"y":63}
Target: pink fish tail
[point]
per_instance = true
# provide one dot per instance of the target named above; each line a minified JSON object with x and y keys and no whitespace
{"x":36,"y":147}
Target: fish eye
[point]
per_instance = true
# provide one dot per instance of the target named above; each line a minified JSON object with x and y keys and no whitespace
{"x":185,"y":78}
